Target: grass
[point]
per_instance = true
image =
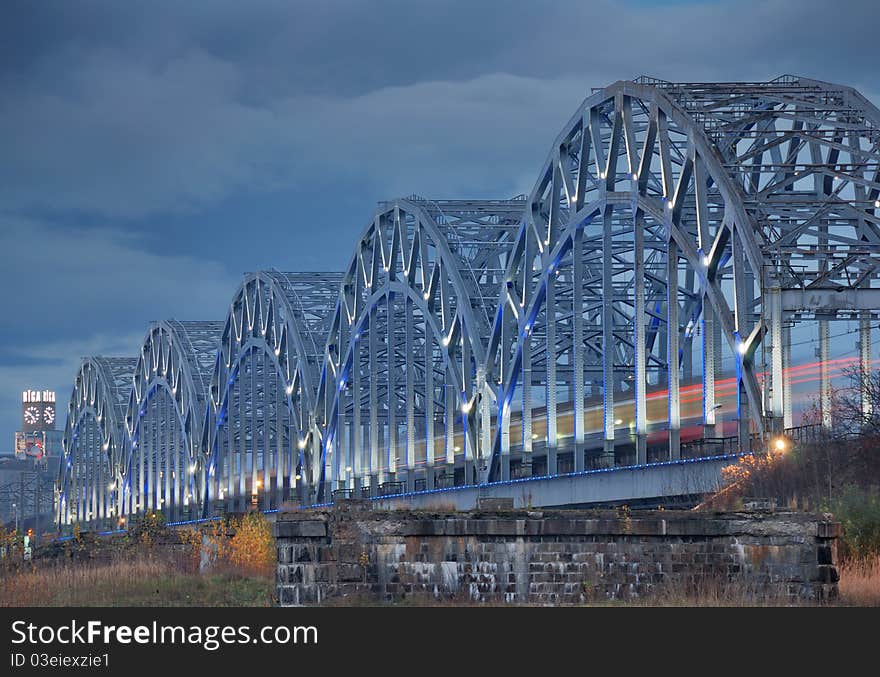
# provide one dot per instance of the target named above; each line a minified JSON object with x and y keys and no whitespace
{"x":155,"y":582}
{"x":143,"y":581}
{"x":860,"y":582}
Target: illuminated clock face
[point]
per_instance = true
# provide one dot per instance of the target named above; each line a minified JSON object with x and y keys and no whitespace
{"x":49,"y":415}
{"x":31,"y":415}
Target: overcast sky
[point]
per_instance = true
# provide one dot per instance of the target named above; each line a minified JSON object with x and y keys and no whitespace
{"x":152,"y":152}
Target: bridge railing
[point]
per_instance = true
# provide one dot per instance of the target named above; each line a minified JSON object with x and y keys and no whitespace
{"x":806,"y":433}
{"x":718,"y":446}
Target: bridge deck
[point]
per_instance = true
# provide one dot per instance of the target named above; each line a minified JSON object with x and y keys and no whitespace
{"x":612,"y":485}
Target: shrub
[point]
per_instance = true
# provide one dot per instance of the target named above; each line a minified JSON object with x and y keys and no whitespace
{"x":244,"y":545}
{"x":252,"y":549}
{"x":144,"y":528}
{"x":858,"y":511}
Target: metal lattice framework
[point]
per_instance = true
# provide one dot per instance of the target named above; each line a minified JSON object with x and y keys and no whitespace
{"x":165,"y":417}
{"x":401,"y":393}
{"x":260,"y":431}
{"x":95,"y":442}
{"x":665,"y":210}
{"x":674,"y":228}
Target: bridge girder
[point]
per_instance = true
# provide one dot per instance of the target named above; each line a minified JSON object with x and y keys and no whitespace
{"x":673,"y":226}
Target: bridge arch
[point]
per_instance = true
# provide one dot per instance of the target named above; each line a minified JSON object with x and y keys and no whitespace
{"x":95,"y":442}
{"x":677,"y":231}
{"x":259,"y":427}
{"x":165,"y":417}
{"x":403,"y":402}
{"x":653,"y":235}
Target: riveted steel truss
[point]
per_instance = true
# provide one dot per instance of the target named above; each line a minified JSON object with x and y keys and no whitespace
{"x":165,"y":418}
{"x":673,"y":228}
{"x":260,"y":434}
{"x":670,"y":210}
{"x":402,"y":395}
{"x":95,"y":442}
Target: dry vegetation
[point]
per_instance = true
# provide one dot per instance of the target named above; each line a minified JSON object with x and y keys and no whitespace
{"x":833,"y":470}
{"x":149,"y":566}
{"x":860,"y":582}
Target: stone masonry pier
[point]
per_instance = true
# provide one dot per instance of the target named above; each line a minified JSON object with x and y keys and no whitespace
{"x":355,"y":555}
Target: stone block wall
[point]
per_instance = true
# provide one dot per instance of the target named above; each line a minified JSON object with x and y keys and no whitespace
{"x":352,"y":554}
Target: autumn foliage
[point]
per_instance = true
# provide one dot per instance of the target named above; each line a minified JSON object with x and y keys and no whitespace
{"x":241,"y":544}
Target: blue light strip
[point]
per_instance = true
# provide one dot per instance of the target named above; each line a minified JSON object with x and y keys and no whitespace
{"x":521,"y":480}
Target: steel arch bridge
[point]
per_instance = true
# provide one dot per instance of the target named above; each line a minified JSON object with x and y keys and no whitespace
{"x":667,"y":211}
{"x":164,"y":469}
{"x":95,"y":441}
{"x":677,"y":236}
{"x":402,"y":390}
{"x":261,"y":436}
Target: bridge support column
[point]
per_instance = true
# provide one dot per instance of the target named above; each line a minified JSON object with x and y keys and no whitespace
{"x":865,"y":384}
{"x":429,"y":405}
{"x":167,"y":500}
{"x":504,"y":456}
{"x":282,"y":429}
{"x":469,"y":471}
{"x":552,"y":460}
{"x":824,"y":374}
{"x":787,"y":417}
{"x":577,"y":321}
{"x":672,"y":356}
{"x":743,"y":293}
{"x":640,"y":375}
{"x":776,"y":347}
{"x":743,"y":430}
{"x":710,"y":407}
{"x":505,"y":467}
{"x":373,"y":366}
{"x":550,"y":398}
{"x":606,"y":459}
{"x":526,"y":388}
{"x":100,"y":490}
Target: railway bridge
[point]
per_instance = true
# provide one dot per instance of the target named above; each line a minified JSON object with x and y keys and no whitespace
{"x":620,"y":333}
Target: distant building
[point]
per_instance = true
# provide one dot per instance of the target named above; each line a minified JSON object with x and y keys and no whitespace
{"x":38,"y":439}
{"x":27,"y":477}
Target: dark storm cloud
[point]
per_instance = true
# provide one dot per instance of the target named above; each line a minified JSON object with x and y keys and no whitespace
{"x":346,"y":47}
{"x":141,"y":141}
{"x":175,"y":105}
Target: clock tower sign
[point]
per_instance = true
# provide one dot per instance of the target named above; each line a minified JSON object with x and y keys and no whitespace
{"x":37,"y":410}
{"x":38,"y":439}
